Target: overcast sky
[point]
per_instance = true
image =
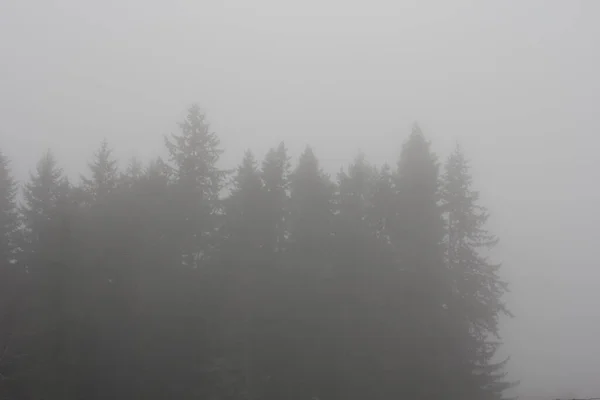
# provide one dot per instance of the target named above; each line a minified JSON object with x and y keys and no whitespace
{"x":516,"y":82}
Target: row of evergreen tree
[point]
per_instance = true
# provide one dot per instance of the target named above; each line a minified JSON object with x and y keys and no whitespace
{"x":149,"y":283}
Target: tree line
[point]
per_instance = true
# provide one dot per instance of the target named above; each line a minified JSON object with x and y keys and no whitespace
{"x":150,"y":283}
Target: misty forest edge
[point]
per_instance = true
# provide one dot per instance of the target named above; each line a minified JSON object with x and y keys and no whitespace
{"x":151,"y":283}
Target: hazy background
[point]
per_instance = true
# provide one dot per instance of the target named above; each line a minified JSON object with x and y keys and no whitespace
{"x":516,"y":82}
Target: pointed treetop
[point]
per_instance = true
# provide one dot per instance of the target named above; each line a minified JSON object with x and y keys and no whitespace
{"x":41,"y":193}
{"x":360,"y":178}
{"x":47,"y":173}
{"x":417,"y":140}
{"x":417,"y":135}
{"x":104,"y":172}
{"x":360,"y":167}
{"x":308,"y":154}
{"x":279,"y":152}
{"x":276,"y":166}
{"x":281,"y":148}
{"x":308,"y":163}
{"x":457,"y":171}
{"x":247,"y":175}
{"x":416,"y":129}
{"x":356,"y":188}
{"x":194,"y":153}
{"x":416,"y":154}
{"x":195,"y":114}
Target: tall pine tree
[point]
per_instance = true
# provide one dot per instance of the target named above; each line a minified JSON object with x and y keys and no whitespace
{"x":310,"y":263}
{"x":12,"y":280}
{"x":477,"y":287}
{"x":417,"y":236}
{"x":272,"y":317}
{"x":46,"y":248}
{"x":8,"y":213}
{"x":311,"y":207}
{"x":275,"y":174}
{"x":360,"y":271}
{"x":41,"y":196}
{"x":244,"y":207}
{"x":194,"y":154}
{"x":244,"y":256}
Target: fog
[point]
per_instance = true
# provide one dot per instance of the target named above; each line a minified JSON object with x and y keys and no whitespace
{"x":515,"y":82}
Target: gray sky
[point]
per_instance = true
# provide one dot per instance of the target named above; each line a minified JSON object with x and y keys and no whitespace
{"x":516,"y":82}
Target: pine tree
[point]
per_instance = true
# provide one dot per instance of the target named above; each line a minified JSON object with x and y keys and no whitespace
{"x":478,"y":289}
{"x":41,"y":198}
{"x":244,"y":255}
{"x":310,"y":262}
{"x":359,"y":274}
{"x":194,"y":154}
{"x":419,"y":228}
{"x":271,"y":314}
{"x":275,"y":175}
{"x":46,"y":253}
{"x":417,"y":235}
{"x":104,"y":175}
{"x":244,"y":207}
{"x":8,"y":213}
{"x":11,"y":282}
{"x":356,"y":194}
{"x":311,"y":206}
{"x":254,"y":234}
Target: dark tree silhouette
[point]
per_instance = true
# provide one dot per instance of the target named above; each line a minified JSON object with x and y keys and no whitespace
{"x":161,"y":281}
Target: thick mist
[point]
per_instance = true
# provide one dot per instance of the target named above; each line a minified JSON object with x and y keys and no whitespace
{"x":515,"y":83}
